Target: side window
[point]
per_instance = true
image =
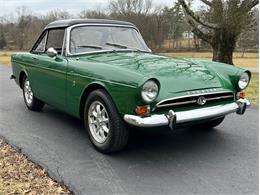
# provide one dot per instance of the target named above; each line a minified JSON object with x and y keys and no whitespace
{"x":55,"y":39}
{"x":40,"y":46}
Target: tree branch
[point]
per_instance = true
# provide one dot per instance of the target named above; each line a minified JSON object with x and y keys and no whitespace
{"x":199,"y":33}
{"x":247,"y":5}
{"x":207,"y":2}
{"x":253,"y":4}
{"x":196,"y":18}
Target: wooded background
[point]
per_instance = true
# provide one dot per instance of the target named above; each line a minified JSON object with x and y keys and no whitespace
{"x":165,"y":29}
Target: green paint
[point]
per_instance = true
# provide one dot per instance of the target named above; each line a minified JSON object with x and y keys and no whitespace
{"x":61,"y":81}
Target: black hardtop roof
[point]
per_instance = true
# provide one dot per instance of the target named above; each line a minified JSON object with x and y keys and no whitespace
{"x":70,"y":22}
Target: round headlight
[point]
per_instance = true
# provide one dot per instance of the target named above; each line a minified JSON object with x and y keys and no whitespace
{"x":149,"y":91}
{"x":243,"y":81}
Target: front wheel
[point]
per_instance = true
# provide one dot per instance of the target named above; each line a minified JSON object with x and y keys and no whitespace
{"x":30,"y":100}
{"x":104,"y":125}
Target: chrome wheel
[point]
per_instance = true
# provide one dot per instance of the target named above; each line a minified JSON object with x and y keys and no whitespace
{"x":28,"y":94}
{"x":98,"y":121}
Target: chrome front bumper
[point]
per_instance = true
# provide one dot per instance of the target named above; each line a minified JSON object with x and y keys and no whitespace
{"x":172,"y":118}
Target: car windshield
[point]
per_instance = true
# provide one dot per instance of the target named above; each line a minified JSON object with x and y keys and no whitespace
{"x":98,"y":38}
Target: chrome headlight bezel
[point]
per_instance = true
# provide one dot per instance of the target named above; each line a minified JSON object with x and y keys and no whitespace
{"x":150,"y":91}
{"x":244,"y":80}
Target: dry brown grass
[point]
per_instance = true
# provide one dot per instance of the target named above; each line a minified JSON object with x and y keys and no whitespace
{"x":252,"y":92}
{"x":18,"y":175}
{"x":249,"y":59}
{"x":6,"y":60}
{"x":209,"y":54}
{"x":5,"y":57}
{"x":246,"y":62}
{"x":185,"y":43}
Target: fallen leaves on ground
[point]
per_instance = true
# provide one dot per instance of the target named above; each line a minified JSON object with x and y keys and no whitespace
{"x":18,"y":175}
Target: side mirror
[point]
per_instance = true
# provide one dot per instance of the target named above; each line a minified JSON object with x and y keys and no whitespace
{"x":51,"y":52}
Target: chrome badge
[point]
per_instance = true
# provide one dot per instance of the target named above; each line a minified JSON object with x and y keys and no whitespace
{"x":202,"y":91}
{"x":201,"y":100}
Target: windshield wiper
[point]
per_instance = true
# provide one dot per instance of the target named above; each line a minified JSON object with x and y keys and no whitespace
{"x":124,"y":47}
{"x":90,"y":46}
{"x":117,"y":45}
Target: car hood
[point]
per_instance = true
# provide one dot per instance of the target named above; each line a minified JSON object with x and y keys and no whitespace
{"x":174,"y":74}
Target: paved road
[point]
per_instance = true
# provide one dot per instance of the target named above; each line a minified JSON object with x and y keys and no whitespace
{"x":188,"y":161}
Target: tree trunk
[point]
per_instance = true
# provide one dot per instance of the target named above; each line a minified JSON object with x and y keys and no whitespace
{"x":224,"y":56}
{"x":243,"y":52}
{"x":223,"y":47}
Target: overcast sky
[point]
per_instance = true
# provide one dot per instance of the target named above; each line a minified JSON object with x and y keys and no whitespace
{"x":72,"y":6}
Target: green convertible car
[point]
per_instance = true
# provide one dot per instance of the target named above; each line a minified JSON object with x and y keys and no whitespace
{"x":103,"y":72}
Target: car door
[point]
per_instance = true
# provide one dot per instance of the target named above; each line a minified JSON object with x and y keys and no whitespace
{"x":49,"y":75}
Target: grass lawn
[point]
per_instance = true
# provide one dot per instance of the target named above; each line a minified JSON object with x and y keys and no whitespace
{"x":18,"y":175}
{"x":249,"y":59}
{"x":5,"y":57}
{"x":252,"y":92}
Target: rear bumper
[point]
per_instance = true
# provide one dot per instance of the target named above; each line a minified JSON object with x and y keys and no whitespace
{"x":172,"y":118}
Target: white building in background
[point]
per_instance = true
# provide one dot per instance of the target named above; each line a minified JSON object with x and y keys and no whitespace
{"x":187,"y":35}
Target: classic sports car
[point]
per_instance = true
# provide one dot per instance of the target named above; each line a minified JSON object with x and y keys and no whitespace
{"x":102,"y":72}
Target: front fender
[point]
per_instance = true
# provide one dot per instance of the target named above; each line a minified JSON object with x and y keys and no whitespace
{"x":121,"y":85}
{"x":228,"y":73}
{"x":124,"y":97}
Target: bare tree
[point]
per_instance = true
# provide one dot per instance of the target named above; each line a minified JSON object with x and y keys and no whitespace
{"x":56,"y":15}
{"x":176,"y":23}
{"x":249,"y":38}
{"x":128,"y":7}
{"x":24,"y":19}
{"x":2,"y":40}
{"x":221,"y":24}
{"x":158,"y":28}
{"x":218,"y":25}
{"x":136,"y":11}
{"x":93,"y":14}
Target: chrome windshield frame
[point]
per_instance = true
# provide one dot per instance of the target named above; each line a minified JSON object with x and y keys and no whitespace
{"x":69,"y":29}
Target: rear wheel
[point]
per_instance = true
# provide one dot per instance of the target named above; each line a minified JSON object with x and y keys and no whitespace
{"x":104,"y":125}
{"x":30,"y":100}
{"x":211,"y":123}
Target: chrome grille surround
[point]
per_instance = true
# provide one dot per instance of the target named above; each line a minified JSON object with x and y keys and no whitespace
{"x":192,"y":99}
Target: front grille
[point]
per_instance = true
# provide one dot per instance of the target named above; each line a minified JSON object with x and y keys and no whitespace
{"x":192,"y":99}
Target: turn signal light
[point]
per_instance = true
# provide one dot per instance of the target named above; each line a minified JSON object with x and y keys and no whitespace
{"x":142,"y":110}
{"x":241,"y":94}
